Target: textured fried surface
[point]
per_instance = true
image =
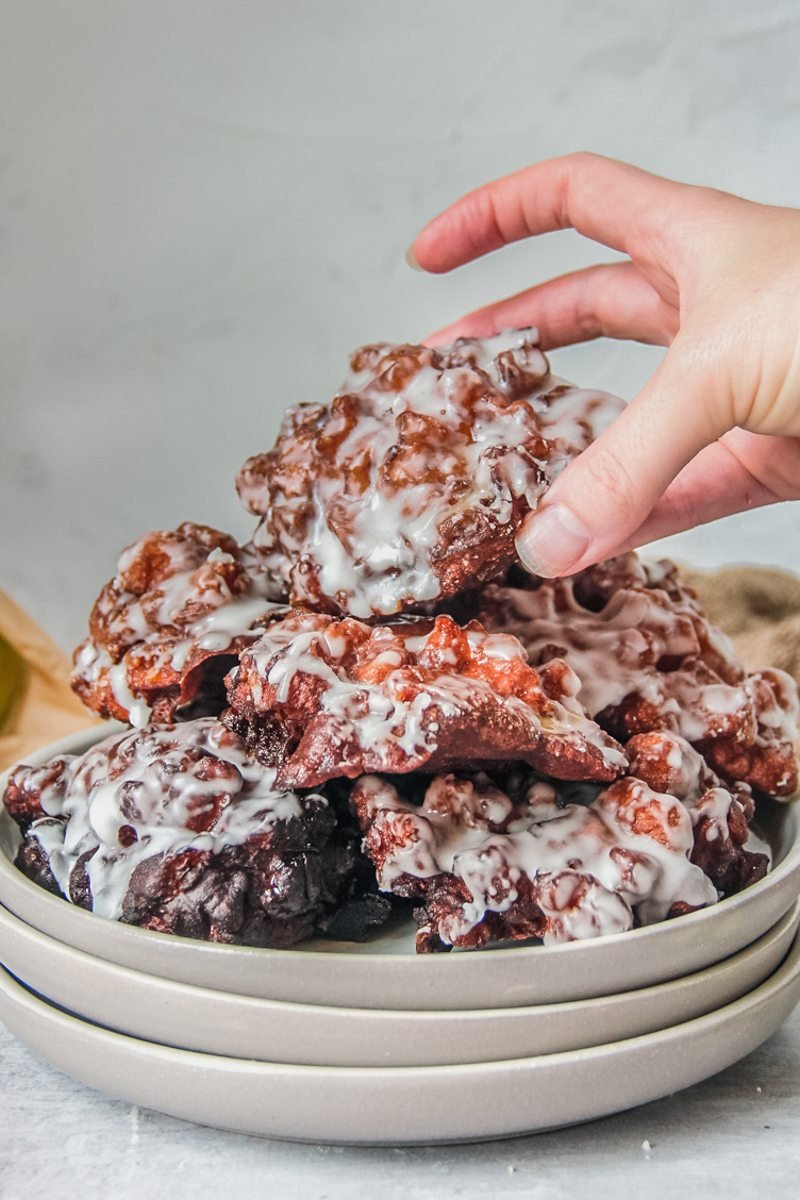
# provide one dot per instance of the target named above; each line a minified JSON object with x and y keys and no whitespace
{"x":410,"y":485}
{"x":166,"y":628}
{"x":720,"y":816}
{"x":488,"y":865}
{"x":648,"y":659}
{"x":325,"y":698}
{"x":176,"y":829}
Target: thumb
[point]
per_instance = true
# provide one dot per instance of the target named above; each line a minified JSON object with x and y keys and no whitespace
{"x":608,"y":491}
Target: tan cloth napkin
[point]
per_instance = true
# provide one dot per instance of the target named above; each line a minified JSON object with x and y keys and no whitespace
{"x":37,"y":705}
{"x":758,"y":607}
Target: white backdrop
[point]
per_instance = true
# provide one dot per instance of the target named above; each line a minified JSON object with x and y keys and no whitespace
{"x":204,"y":206}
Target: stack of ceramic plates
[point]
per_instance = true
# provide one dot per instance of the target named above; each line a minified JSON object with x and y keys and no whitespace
{"x":371,"y":1044}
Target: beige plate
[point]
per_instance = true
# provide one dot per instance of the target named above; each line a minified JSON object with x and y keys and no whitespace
{"x":385,"y":973}
{"x":404,"y":1105}
{"x":192,"y":1018}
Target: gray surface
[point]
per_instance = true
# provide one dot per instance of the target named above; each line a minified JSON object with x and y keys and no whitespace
{"x":163,"y":242}
{"x":735,"y":1134}
{"x":204,"y":206}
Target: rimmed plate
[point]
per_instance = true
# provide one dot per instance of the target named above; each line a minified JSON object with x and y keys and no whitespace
{"x":384,"y":973}
{"x":405,"y":1105}
{"x":191,"y":1018}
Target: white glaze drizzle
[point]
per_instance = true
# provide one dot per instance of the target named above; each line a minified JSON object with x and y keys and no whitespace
{"x":544,"y":843}
{"x":489,"y":404}
{"x":156,"y":795}
{"x":373,"y":714}
{"x":615,"y":652}
{"x":190,"y":608}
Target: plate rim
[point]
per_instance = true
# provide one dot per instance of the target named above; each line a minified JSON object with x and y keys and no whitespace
{"x":787,"y":973}
{"x":791,"y":918}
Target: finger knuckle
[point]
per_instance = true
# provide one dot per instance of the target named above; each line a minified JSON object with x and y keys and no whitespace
{"x":581,"y":159}
{"x":480,"y":216}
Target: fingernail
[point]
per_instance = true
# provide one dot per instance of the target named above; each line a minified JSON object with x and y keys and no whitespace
{"x":411,"y":258}
{"x":552,"y":541}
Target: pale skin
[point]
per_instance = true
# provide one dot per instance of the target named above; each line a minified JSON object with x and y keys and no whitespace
{"x":714,"y":278}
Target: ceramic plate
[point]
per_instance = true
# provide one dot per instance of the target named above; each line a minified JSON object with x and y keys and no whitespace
{"x":192,"y":1018}
{"x":403,"y":1105}
{"x":385,"y":973}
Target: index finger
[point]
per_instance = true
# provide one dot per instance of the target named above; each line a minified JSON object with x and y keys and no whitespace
{"x":609,"y":201}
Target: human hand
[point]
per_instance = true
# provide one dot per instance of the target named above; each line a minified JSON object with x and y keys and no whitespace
{"x":716,"y":279}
